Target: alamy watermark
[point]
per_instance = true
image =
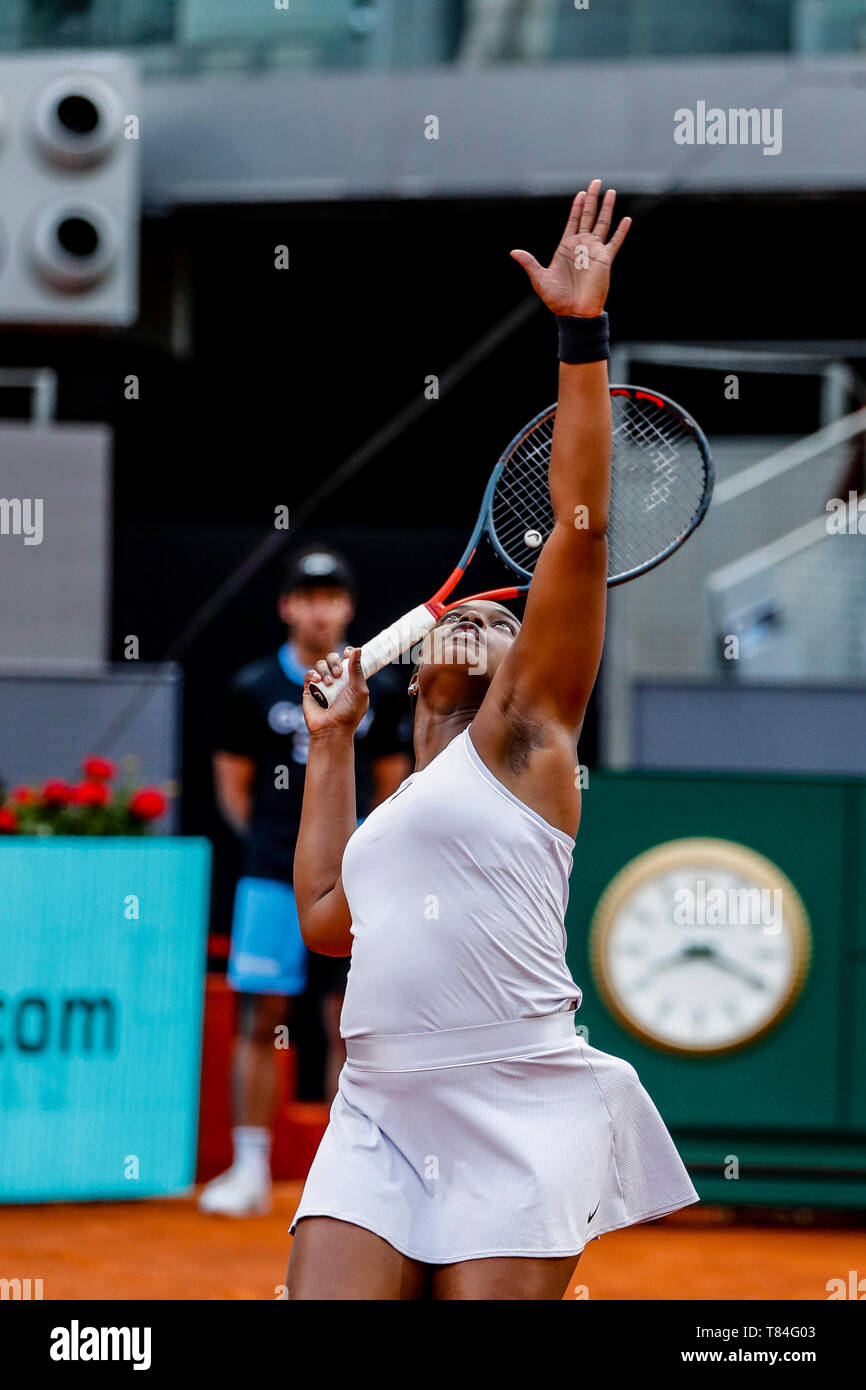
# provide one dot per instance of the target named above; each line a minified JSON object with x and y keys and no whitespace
{"x":739,"y":125}
{"x":441,"y":650}
{"x":22,"y":516}
{"x":846,"y":518}
{"x":729,"y":907}
{"x":20,"y":1289}
{"x":77,"y":1343}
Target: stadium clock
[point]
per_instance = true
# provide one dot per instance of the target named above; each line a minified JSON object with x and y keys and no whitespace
{"x":700,"y":946}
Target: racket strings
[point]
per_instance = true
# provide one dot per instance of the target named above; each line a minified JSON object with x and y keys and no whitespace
{"x":521,"y":504}
{"x":658,"y":484}
{"x":658,"y":480}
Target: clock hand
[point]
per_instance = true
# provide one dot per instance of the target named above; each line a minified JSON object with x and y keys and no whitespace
{"x":677,"y":958}
{"x":732,"y":967}
{"x":699,"y":951}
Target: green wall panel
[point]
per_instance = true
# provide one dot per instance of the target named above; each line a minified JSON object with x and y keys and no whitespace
{"x":852,"y":1020}
{"x":790,"y":1078}
{"x":856,"y":867}
{"x":854,"y":1065}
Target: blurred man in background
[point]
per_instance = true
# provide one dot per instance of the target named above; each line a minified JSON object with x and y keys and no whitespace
{"x":259,"y":765}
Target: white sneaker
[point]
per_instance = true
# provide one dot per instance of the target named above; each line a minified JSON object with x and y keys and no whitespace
{"x":237,"y":1192}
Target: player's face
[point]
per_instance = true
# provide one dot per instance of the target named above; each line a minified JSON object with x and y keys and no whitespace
{"x":468,"y":645}
{"x":317,"y":618}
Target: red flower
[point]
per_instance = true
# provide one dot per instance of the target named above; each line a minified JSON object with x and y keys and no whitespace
{"x":8,"y":821}
{"x":57,"y":793}
{"x":147,"y":804}
{"x":98,"y":769}
{"x":24,"y":796}
{"x":92,"y":794}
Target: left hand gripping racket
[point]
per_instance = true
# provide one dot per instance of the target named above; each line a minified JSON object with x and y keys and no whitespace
{"x":661,"y":484}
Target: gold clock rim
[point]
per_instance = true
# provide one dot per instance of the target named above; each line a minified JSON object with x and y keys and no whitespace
{"x":724,"y":854}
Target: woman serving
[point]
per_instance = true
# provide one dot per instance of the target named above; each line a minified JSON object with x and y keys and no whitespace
{"x":476,"y":1141}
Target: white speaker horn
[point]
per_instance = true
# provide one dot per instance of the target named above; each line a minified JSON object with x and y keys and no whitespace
{"x":77,"y":121}
{"x":75,"y":244}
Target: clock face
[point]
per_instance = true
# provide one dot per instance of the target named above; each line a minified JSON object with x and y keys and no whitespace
{"x":700,"y":946}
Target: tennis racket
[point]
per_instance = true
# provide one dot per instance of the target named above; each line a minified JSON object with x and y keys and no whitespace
{"x":661,"y":484}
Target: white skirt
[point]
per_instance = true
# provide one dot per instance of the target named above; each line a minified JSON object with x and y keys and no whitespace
{"x":506,"y":1139}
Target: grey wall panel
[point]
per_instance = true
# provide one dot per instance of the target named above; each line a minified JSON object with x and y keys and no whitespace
{"x":282,"y":135}
{"x":661,"y":627}
{"x":48,"y":723}
{"x":769,"y":728}
{"x":54,"y":594}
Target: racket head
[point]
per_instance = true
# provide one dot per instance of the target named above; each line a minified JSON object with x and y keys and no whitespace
{"x":661,"y":484}
{"x":670,"y":497}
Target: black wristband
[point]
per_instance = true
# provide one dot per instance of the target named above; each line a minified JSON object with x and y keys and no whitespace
{"x":583,"y":340}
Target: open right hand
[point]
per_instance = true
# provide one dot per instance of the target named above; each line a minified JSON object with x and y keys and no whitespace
{"x":577,"y":280}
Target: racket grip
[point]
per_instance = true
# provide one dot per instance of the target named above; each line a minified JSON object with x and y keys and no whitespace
{"x":385,"y":647}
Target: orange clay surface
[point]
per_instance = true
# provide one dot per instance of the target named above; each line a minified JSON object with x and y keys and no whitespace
{"x":165,"y":1249}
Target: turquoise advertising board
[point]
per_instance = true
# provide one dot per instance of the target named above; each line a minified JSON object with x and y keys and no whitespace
{"x":102,"y":965}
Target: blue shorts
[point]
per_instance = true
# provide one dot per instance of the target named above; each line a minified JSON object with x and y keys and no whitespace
{"x":268,"y":955}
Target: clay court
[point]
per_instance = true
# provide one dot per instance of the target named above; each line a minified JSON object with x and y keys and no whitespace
{"x":166,"y":1250}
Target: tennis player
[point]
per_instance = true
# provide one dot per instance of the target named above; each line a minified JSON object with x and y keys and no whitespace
{"x":476,"y":1142}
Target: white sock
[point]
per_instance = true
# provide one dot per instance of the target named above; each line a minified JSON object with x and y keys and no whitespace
{"x":252,"y":1151}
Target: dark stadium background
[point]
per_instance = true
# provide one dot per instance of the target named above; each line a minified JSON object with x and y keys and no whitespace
{"x":281,"y":374}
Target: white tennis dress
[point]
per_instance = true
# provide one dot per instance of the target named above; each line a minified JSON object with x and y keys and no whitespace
{"x":471,"y":1120}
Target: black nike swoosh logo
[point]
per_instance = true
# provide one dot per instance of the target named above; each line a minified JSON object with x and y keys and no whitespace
{"x":592,"y":1213}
